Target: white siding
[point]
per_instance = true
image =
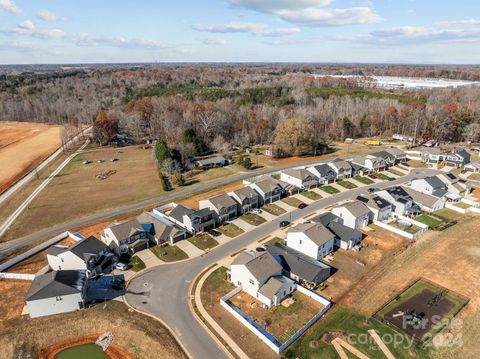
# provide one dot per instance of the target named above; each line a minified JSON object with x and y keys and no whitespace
{"x":55,"y":305}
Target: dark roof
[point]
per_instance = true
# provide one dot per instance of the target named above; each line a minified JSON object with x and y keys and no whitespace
{"x":374,"y":201}
{"x":383,"y":154}
{"x":398,"y":193}
{"x":56,"y":250}
{"x":323,"y":169}
{"x":299,"y":264}
{"x":179,"y":211}
{"x":435,"y":182}
{"x":90,"y":245}
{"x":57,"y":283}
{"x":356,"y":167}
{"x":326,"y":218}
{"x":126,"y":229}
{"x":341,"y":231}
{"x":261,"y":265}
{"x":439,"y":193}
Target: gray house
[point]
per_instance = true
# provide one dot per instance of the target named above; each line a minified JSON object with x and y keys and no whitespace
{"x":246,"y":198}
{"x":299,"y":267}
{"x":459,"y":157}
{"x":206,"y":163}
{"x":194,"y":221}
{"x":57,"y":292}
{"x":159,"y":230}
{"x":323,"y":172}
{"x":268,"y":188}
{"x":128,"y":237}
{"x":222,"y":205}
{"x":400,"y":156}
{"x":402,"y":202}
{"x":345,"y":237}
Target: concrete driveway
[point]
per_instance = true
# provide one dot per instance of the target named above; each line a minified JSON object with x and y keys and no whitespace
{"x":189,"y":248}
{"x":163,"y":291}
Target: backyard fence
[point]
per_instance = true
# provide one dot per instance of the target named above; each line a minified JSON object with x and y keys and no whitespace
{"x":21,"y":276}
{"x":423,"y":227}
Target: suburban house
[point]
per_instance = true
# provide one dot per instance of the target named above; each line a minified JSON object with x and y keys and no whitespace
{"x":388,"y":157}
{"x":312,"y":239}
{"x":430,"y":185}
{"x":359,"y":170}
{"x":380,"y":209}
{"x":401,"y":201}
{"x":345,"y":237}
{"x":303,"y":269}
{"x":455,"y":184}
{"x":206,"y":163}
{"x":160,"y":230}
{"x":194,"y":221}
{"x":90,"y":255}
{"x":342,"y":168}
{"x":400,"y":155}
{"x":426,"y":201}
{"x":323,"y":172}
{"x":372,"y":163}
{"x":355,"y":214}
{"x":473,"y":166}
{"x":299,"y":177}
{"x":246,"y":198}
{"x":224,"y":207}
{"x":57,"y":292}
{"x":268,"y":188}
{"x":260,"y":275}
{"x":432,"y":155}
{"x":128,"y":237}
{"x":458,"y":157}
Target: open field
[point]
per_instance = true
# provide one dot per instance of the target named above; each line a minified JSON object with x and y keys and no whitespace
{"x":23,"y":146}
{"x":139,"y":335}
{"x":77,"y":192}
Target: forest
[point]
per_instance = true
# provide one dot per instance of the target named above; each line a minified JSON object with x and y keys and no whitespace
{"x":243,"y":104}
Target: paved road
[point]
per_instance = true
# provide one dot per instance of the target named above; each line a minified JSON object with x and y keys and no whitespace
{"x":9,"y":247}
{"x":163,"y":291}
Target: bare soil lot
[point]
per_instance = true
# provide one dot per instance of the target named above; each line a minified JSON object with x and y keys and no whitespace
{"x":23,"y":146}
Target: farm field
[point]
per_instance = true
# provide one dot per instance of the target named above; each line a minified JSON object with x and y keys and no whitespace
{"x":77,"y":192}
{"x":23,"y":146}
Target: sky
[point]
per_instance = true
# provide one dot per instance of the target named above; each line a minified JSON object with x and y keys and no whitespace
{"x":373,"y":31}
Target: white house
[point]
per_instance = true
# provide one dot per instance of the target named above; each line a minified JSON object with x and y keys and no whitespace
{"x":260,"y":275}
{"x":342,"y":168}
{"x":371,"y":163}
{"x":268,"y":188}
{"x":247,"y":199}
{"x":458,"y":157}
{"x":299,"y":177}
{"x":401,"y":201}
{"x":160,"y":229}
{"x":432,"y":155}
{"x":473,"y":167}
{"x":194,"y":221}
{"x":426,"y":201}
{"x":224,"y":207}
{"x":345,"y":237}
{"x":380,"y":209}
{"x":355,"y":214}
{"x":311,"y":239}
{"x":400,"y":155}
{"x":430,"y":185}
{"x":455,"y":184}
{"x":323,"y":172}
{"x":57,"y":292}
{"x":90,"y":255}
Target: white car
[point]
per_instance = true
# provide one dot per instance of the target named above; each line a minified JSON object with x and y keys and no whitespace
{"x":123,"y":266}
{"x":256,"y":211}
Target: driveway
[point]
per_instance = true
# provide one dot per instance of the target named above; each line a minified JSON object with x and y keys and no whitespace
{"x":189,"y":248}
{"x":149,"y":258}
{"x":240,"y":223}
{"x":163,"y":291}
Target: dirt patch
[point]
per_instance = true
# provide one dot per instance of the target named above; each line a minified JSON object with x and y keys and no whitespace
{"x":23,"y":146}
{"x":12,"y":299}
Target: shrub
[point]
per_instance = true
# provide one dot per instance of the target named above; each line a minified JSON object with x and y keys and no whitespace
{"x":163,"y":181}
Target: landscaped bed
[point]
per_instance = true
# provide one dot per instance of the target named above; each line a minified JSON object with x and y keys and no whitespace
{"x":311,"y":195}
{"x":292,"y":201}
{"x":329,"y":189}
{"x":253,"y":219}
{"x":364,"y":180}
{"x":169,"y":253}
{"x":273,"y":209}
{"x":203,"y":241}
{"x":229,"y":229}
{"x":347,"y":184}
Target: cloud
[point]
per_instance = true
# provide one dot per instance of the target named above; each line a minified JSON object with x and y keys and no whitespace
{"x":312,"y":12}
{"x":10,"y":6}
{"x":213,"y":40}
{"x":47,"y":15}
{"x":27,"y":25}
{"x":464,"y":22}
{"x":16,"y":46}
{"x":245,"y":27}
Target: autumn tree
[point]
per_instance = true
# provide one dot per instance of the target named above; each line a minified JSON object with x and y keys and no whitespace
{"x":105,"y":126}
{"x":294,"y":136}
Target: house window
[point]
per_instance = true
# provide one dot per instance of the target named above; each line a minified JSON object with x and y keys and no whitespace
{"x":239,"y":283}
{"x":300,"y":241}
{"x":58,"y":298}
{"x":251,"y":281}
{"x":62,"y":260}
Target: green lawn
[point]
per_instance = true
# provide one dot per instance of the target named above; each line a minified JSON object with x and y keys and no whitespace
{"x":169,"y":253}
{"x":417,"y":164}
{"x":347,"y":184}
{"x":253,"y":219}
{"x":364,"y":180}
{"x":448,"y":214}
{"x":311,"y":344}
{"x":273,"y":209}
{"x":314,"y":196}
{"x":474,"y":177}
{"x":203,"y":241}
{"x":462,"y":205}
{"x":137,"y":264}
{"x":230,"y":230}
{"x":395,"y":172}
{"x":382,"y":176}
{"x":329,"y":189}
{"x":292,"y":201}
{"x":429,"y":220}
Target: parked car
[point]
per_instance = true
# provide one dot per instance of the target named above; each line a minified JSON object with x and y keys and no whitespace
{"x":214,"y":233}
{"x":372,"y":176}
{"x":391,"y":179}
{"x":87,"y":162}
{"x":302,"y":205}
{"x":101,"y":161}
{"x":256,"y":211}
{"x":123,"y":266}
{"x":115,"y":159}
{"x":284,"y":224}
{"x":371,"y":190}
{"x":262,"y":248}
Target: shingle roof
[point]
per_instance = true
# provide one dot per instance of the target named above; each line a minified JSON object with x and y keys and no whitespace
{"x":56,"y":283}
{"x":161,"y":229}
{"x":435,"y":182}
{"x":395,"y":151}
{"x":261,"y":265}
{"x":56,"y":250}
{"x":267,"y":184}
{"x":341,"y":231}
{"x":357,"y":208}
{"x":125,"y":230}
{"x":211,"y":160}
{"x":374,"y":201}
{"x":315,"y":231}
{"x":245,"y":192}
{"x":341,"y":164}
{"x":222,"y":201}
{"x":422,"y":198}
{"x":323,"y":169}
{"x":326,"y":218}
{"x":272,"y":286}
{"x":300,"y":173}
{"x":179,"y":211}
{"x":90,"y":245}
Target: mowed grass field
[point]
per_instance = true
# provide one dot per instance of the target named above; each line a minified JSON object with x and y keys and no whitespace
{"x":23,"y":146}
{"x":76,"y":191}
